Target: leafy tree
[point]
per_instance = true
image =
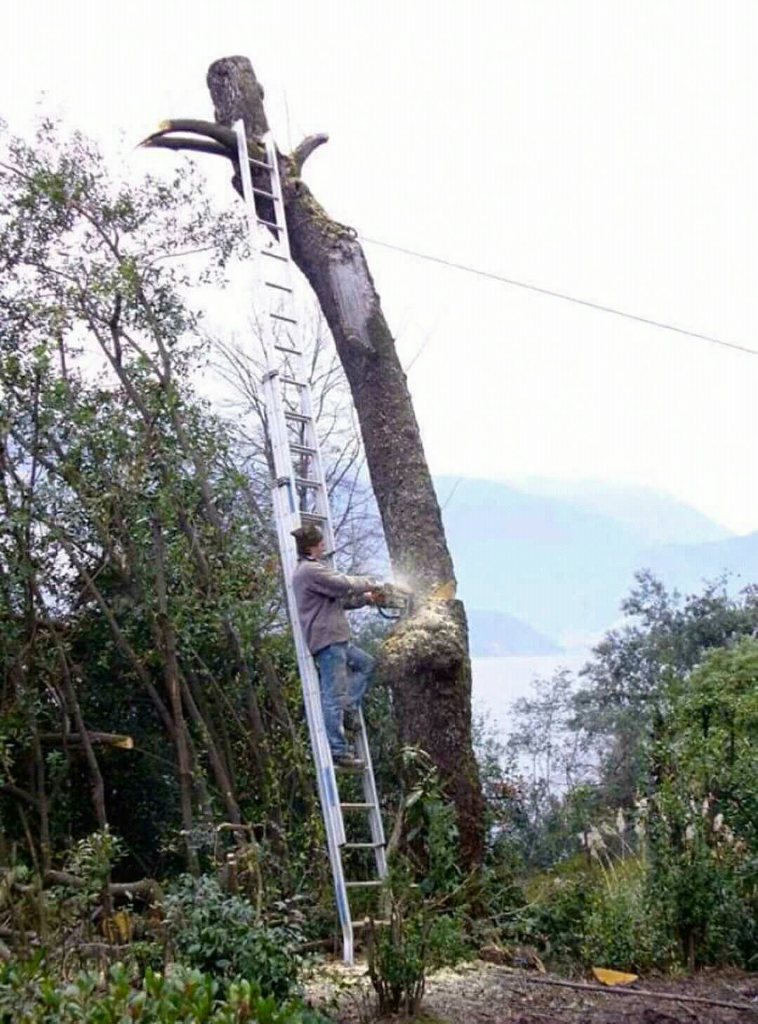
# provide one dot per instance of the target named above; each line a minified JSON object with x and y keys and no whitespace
{"x":703,"y":824}
{"x":618,"y":704}
{"x":137,"y":590}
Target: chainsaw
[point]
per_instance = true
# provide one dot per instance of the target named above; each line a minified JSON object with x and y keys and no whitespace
{"x":393,"y":601}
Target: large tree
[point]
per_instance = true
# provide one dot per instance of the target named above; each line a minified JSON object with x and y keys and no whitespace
{"x":425,"y":660}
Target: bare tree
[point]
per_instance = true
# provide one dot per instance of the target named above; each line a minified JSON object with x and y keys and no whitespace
{"x":360,"y":546}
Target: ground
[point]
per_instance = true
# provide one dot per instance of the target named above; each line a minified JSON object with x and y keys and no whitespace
{"x":484,"y":993}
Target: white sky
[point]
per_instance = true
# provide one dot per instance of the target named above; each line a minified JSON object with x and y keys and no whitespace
{"x":603,"y":148}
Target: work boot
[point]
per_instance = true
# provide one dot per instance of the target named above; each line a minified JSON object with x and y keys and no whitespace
{"x":348,"y":760}
{"x":352,"y":720}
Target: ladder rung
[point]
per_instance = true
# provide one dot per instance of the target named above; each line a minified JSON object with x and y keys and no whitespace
{"x":298,"y":417}
{"x":286,"y":319}
{"x":279,"y":287}
{"x":354,"y":807}
{"x":259,"y":163}
{"x":361,"y":846}
{"x":300,"y":481}
{"x":367,"y":885}
{"x":293,"y":381}
{"x":291,"y":351}
{"x":312,"y":517}
{"x":269,"y":224}
{"x":263,"y":192}
{"x":302,"y":449}
{"x":273,"y":255}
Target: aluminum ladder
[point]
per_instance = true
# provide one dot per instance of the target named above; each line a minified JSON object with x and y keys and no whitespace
{"x":300,"y":497}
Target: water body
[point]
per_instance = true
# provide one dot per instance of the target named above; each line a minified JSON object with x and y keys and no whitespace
{"x":497,"y":682}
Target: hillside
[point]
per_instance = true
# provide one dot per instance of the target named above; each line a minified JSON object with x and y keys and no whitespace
{"x":562,"y":568}
{"x":685,"y":566}
{"x":496,"y":634}
{"x":654,"y":517}
{"x":539,"y":559}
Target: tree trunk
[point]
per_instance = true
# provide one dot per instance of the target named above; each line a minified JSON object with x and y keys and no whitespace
{"x":171,"y":674}
{"x":426,"y":661}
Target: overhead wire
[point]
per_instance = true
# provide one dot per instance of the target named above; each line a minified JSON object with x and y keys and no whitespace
{"x":560,"y":295}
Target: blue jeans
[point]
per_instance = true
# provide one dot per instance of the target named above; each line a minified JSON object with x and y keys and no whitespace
{"x":344,"y":673}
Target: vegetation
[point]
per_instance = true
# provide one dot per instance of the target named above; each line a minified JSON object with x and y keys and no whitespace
{"x":150,"y":713}
{"x":29,"y":996}
{"x":639,"y":814}
{"x":161,"y":848}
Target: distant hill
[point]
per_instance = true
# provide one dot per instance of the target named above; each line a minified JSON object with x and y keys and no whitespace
{"x":495,"y":634}
{"x":563,"y":568}
{"x":541,"y":560}
{"x":685,"y":566}
{"x":655,"y":517}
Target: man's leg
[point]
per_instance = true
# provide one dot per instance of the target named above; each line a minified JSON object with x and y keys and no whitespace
{"x":359,"y":669}
{"x":331,"y":663}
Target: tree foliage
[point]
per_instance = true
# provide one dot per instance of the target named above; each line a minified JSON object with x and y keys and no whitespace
{"x":137,"y":585}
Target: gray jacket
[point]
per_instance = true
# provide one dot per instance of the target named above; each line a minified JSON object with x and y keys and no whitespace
{"x":322,"y":596}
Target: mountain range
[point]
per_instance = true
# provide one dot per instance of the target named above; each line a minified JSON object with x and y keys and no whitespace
{"x":555,"y":562}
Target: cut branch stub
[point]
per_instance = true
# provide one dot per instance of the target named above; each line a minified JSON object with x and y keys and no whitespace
{"x":236,"y":92}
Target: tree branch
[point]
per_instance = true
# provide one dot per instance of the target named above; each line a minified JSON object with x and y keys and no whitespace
{"x":224,"y":137}
{"x":19,"y":794}
{"x":181,"y":142}
{"x":109,"y":739}
{"x":301,"y":152}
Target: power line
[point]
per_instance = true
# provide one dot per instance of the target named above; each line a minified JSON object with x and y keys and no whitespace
{"x":447,"y":500}
{"x":560,"y":295}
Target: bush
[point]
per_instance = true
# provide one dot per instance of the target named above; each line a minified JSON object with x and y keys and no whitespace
{"x":30,"y":995}
{"x":426,"y":919}
{"x":221,"y":934}
{"x":402,"y":953}
{"x":703,"y":822}
{"x":560,"y":918}
{"x":697,"y":881}
{"x":619,"y":930}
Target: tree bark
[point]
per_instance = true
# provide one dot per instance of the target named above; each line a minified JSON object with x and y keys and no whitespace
{"x":426,"y":661}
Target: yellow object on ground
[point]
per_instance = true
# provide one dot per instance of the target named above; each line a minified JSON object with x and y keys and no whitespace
{"x":608,"y":977}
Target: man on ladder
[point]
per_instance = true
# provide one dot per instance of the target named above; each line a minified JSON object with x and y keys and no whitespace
{"x":344,"y":670}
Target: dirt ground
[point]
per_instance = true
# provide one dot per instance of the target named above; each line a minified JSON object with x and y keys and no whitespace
{"x":484,"y":993}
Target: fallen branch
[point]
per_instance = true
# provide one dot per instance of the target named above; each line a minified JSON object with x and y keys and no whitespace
{"x":110,"y":739}
{"x":618,"y":991}
{"x":145,"y":887}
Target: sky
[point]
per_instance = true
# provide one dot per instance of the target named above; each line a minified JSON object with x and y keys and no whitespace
{"x":605,"y":149}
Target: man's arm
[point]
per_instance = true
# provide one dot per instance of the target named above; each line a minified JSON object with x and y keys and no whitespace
{"x":360,"y":600}
{"x":326,"y":581}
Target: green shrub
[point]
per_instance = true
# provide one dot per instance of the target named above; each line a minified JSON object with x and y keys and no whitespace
{"x":702,"y":828}
{"x":426,"y":927}
{"x":30,"y":995}
{"x":403,"y":952}
{"x":560,"y":916}
{"x":220,"y":934}
{"x":619,"y":930}
{"x":696,"y":882}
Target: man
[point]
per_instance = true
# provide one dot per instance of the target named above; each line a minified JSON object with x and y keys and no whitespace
{"x":344,"y":670}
